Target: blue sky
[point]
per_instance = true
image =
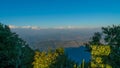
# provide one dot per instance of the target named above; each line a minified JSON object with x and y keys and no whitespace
{"x":56,"y":13}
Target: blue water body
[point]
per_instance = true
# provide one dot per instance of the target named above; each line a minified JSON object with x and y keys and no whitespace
{"x":78,"y":54}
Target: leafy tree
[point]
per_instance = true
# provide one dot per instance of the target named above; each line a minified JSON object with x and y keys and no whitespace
{"x":112,"y":35}
{"x":100,"y":56}
{"x":96,"y":39}
{"x":13,"y":50}
{"x":112,"y":38}
{"x":52,"y":59}
{"x":44,"y":59}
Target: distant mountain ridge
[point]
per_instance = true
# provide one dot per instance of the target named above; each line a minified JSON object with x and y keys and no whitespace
{"x":52,"y":38}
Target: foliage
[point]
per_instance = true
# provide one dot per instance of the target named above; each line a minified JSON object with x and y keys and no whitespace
{"x":52,"y":59}
{"x":99,"y":56}
{"x":100,"y":50}
{"x":96,"y":39}
{"x":43,"y":59}
{"x":14,"y":51}
{"x":111,"y":36}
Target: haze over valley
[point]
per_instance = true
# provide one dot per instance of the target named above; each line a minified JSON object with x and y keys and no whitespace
{"x":54,"y":38}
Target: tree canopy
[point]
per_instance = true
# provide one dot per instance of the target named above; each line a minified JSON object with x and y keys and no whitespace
{"x":14,"y":51}
{"x":111,"y":37}
{"x":53,"y":59}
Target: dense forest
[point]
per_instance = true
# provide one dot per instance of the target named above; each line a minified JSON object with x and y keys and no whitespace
{"x":104,"y":48}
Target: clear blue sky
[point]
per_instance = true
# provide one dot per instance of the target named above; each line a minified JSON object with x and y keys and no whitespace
{"x":53,"y":13}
